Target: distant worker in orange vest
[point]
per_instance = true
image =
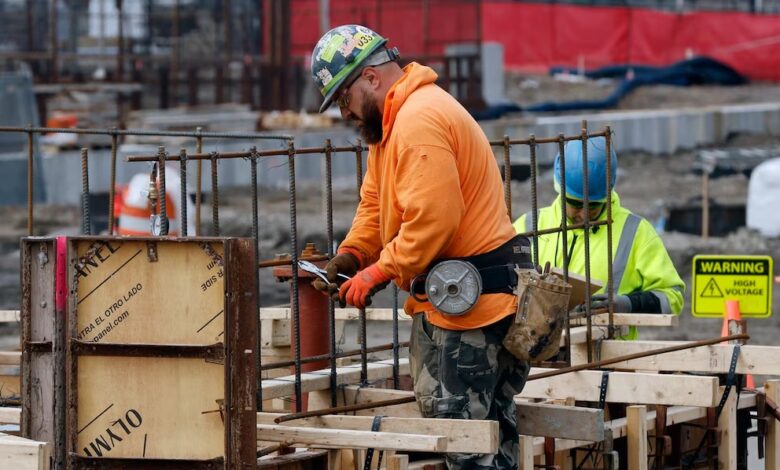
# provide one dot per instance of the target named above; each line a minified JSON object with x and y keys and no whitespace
{"x":135,"y":211}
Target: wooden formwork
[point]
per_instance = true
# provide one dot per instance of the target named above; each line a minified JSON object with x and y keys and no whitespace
{"x":157,"y":374}
{"x":556,"y":415}
{"x":166,"y":369}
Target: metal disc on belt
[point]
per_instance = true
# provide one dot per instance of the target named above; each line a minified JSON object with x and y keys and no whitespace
{"x":453,"y":286}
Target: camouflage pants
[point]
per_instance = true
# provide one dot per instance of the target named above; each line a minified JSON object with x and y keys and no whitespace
{"x":469,"y":375}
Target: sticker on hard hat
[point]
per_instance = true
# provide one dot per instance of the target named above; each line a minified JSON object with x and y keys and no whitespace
{"x":331,"y":48}
{"x":718,"y":278}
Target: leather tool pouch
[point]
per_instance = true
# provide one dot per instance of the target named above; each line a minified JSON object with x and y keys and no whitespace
{"x":542,"y":301}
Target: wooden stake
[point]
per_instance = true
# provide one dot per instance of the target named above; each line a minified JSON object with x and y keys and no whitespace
{"x":772,"y":389}
{"x":637,"y":437}
{"x":727,"y":425}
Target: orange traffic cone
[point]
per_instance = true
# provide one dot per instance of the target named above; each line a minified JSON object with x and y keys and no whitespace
{"x":749,"y":382}
{"x":732,"y":313}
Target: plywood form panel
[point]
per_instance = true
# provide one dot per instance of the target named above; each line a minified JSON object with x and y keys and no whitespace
{"x":136,"y":407}
{"x":124,"y":296}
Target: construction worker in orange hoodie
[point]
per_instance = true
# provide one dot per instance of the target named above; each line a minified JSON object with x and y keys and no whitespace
{"x":432,"y":193}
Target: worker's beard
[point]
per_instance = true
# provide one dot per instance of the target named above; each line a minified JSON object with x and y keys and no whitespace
{"x":371,"y":128}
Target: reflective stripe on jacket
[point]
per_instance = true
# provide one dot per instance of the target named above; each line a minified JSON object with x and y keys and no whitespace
{"x":640,"y":262}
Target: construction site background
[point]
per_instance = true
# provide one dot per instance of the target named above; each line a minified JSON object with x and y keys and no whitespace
{"x":107,"y":63}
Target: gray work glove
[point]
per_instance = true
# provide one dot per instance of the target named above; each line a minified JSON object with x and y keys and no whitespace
{"x":601,"y":302}
{"x":345,"y":263}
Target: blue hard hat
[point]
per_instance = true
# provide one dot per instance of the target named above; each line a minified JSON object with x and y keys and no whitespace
{"x":597,"y":169}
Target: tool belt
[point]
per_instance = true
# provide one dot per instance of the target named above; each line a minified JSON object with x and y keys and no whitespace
{"x":453,"y":285}
{"x":542,"y":303}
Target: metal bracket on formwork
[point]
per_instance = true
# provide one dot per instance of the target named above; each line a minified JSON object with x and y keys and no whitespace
{"x":151,"y":251}
{"x":762,"y":422}
{"x":609,"y":455}
{"x":220,"y":409}
{"x":663,"y":443}
{"x":43,"y":255}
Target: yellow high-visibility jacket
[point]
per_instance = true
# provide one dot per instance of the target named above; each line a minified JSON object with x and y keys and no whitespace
{"x":640,"y":260}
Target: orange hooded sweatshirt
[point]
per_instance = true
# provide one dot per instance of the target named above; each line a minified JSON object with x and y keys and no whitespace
{"x":432,"y":190}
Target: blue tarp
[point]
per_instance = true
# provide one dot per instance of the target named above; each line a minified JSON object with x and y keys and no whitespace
{"x":696,"y":71}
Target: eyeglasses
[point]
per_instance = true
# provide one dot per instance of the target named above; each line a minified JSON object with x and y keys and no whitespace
{"x":577,"y":204}
{"x":343,"y":100}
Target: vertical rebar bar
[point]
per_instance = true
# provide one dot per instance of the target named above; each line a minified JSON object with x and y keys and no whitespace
{"x":30,"y":155}
{"x":54,"y":38}
{"x":120,"y":57}
{"x":256,"y":239}
{"x":164,"y":223}
{"x":183,"y":177}
{"x":112,"y":183}
{"x":198,"y":183}
{"x":508,"y":178}
{"x":564,"y":234}
{"x":359,"y":165}
{"x":586,"y":237}
{"x":396,"y":343}
{"x":294,"y":248}
{"x":214,"y":194}
{"x":705,"y":203}
{"x":362,"y":311}
{"x":331,"y":306}
{"x":534,"y":199}
{"x":86,"y":226}
{"x":610,"y":281}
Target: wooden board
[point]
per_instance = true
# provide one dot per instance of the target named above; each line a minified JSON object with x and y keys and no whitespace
{"x":372,"y":314}
{"x":333,"y":438}
{"x":17,"y":453}
{"x":354,"y":394}
{"x":567,"y":422}
{"x":578,"y":285}
{"x":626,"y":387}
{"x":760,"y":360}
{"x":636,"y":429}
{"x":478,"y":437}
{"x":123,"y":296}
{"x":320,"y":379}
{"x":10,"y":386}
{"x":631,"y":319}
{"x":10,"y":415}
{"x":9,"y":316}
{"x":158,"y":408}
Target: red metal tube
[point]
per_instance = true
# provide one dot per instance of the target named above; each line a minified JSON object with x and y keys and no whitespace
{"x":313,"y":308}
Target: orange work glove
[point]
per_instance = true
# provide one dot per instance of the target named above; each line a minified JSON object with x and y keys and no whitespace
{"x":358,"y":290}
{"x":344,"y":263}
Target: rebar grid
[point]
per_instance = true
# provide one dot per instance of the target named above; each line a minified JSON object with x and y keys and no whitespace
{"x":328,"y":152}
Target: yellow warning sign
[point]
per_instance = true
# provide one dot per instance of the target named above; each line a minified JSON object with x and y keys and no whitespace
{"x":718,"y":278}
